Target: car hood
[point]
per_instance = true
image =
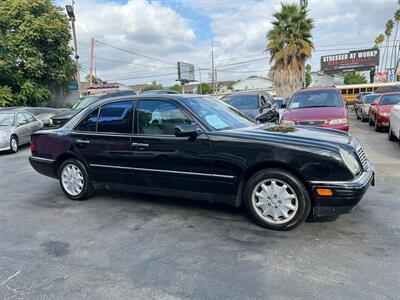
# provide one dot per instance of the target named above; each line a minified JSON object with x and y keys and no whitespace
{"x":6,"y":129}
{"x":66,"y":114}
{"x":295,"y":133}
{"x":385,"y":108}
{"x":315,"y":113}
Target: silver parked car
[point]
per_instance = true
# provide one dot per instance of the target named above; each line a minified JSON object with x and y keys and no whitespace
{"x":16,"y":127}
{"x":362,"y":106}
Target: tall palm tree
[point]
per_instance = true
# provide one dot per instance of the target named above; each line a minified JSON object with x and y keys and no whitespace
{"x":289,"y":44}
{"x":380,"y":38}
{"x":393,"y":56}
{"x":388,"y":33}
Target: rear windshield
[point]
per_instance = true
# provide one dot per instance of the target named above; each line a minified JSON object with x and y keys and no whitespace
{"x":390,"y":99}
{"x":322,"y":98}
{"x":370,"y":98}
{"x":84,"y":102}
{"x":242,"y":101}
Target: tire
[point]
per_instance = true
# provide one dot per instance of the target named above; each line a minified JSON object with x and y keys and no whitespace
{"x":370,"y":123}
{"x":266,"y":181}
{"x":75,"y":180}
{"x":391,"y":136}
{"x":363,"y":119}
{"x":14,"y":144}
{"x":377,"y":127}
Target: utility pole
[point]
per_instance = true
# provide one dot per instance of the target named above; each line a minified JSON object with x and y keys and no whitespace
{"x":212,"y":66}
{"x":91,"y":62}
{"x":71,"y":15}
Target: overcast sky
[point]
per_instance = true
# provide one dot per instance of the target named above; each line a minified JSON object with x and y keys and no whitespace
{"x":182,"y":30}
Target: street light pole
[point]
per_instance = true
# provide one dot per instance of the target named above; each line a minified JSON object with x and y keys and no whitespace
{"x":71,"y":15}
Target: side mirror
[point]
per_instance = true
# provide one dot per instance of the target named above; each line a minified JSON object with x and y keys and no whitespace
{"x":283,"y":105}
{"x":19,"y":123}
{"x":186,"y":130}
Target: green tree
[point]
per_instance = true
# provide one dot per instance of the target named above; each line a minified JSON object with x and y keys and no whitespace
{"x":203,"y":89}
{"x":308,"y":75}
{"x":354,"y":78}
{"x":289,"y":44}
{"x":153,"y":86}
{"x":176,"y":87}
{"x":34,"y":51}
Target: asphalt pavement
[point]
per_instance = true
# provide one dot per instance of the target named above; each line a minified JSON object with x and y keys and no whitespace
{"x":130,"y":246}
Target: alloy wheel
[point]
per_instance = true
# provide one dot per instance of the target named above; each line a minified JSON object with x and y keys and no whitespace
{"x":72,"y":179}
{"x":14,"y":144}
{"x":275,"y":201}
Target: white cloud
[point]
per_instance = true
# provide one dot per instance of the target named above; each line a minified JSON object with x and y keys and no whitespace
{"x":239,"y":28}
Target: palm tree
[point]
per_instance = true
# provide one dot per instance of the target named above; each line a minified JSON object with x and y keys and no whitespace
{"x":290,"y":45}
{"x":388,"y":33}
{"x":380,"y":38}
{"x":397,"y":19}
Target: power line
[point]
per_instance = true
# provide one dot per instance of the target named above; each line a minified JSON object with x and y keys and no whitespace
{"x":134,"y":53}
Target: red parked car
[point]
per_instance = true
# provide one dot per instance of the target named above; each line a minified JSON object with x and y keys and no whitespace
{"x":379,"y":112}
{"x":322,"y":107}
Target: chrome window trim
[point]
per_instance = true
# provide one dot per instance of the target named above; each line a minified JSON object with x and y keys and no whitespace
{"x":163,"y":171}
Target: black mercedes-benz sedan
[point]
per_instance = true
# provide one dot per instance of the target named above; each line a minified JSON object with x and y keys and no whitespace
{"x":198,"y":147}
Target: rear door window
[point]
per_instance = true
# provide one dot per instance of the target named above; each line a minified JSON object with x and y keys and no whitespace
{"x":89,"y":123}
{"x":116,"y":117}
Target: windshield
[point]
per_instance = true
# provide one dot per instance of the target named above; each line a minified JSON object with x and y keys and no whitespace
{"x":217,"y":114}
{"x":321,"y":98}
{"x":370,"y":98}
{"x":84,"y":102}
{"x":243,"y":101}
{"x":6,"y":119}
{"x":390,"y":99}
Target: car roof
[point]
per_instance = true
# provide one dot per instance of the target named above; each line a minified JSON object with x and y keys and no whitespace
{"x":327,"y":88}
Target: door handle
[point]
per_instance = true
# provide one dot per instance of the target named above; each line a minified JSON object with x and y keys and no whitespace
{"x":140,"y":146}
{"x":83,"y":141}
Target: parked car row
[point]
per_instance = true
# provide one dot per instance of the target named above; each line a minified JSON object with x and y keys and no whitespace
{"x":381,"y":111}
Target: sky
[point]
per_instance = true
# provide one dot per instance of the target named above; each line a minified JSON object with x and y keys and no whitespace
{"x":154,"y":35}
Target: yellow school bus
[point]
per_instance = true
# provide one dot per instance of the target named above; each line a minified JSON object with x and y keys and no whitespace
{"x":350,"y":91}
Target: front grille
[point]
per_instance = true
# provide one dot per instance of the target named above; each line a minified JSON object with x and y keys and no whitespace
{"x":361,"y":156}
{"x":312,"y":122}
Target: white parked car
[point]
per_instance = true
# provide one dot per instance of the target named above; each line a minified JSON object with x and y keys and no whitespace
{"x":394,"y":125}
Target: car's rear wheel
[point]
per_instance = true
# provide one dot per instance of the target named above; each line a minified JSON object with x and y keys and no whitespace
{"x":391,"y":136}
{"x":74,"y":180}
{"x":276,"y":199}
{"x":14,"y":144}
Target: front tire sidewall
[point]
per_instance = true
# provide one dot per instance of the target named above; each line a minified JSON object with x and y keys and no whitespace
{"x":87,"y":190}
{"x":303,"y":198}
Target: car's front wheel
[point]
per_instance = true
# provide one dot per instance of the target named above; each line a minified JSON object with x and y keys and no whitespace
{"x":74,"y":180}
{"x":276,"y":199}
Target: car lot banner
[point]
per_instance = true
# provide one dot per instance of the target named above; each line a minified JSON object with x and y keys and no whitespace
{"x":357,"y":60}
{"x":381,"y":77}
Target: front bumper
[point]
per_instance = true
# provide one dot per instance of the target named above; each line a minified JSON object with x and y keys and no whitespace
{"x":5,"y":144}
{"x":346,"y":194}
{"x":43,"y":166}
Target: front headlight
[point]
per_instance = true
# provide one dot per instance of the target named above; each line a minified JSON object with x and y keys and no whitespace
{"x":338,"y":121}
{"x":350,"y":161}
{"x":287,"y":123}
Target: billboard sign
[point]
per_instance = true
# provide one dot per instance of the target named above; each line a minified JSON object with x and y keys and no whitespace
{"x":186,"y":72}
{"x":357,"y":60}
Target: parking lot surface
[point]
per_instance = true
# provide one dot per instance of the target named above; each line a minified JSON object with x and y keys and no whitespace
{"x":129,"y":246}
